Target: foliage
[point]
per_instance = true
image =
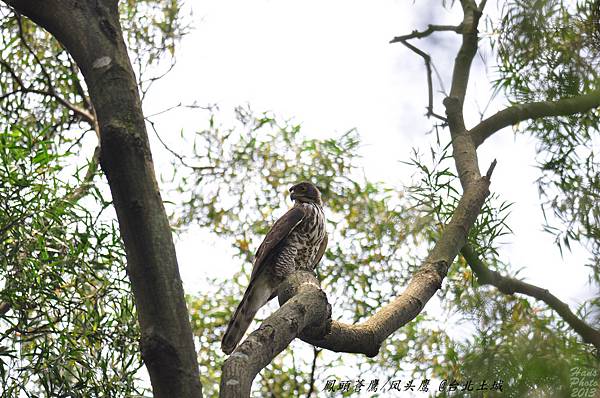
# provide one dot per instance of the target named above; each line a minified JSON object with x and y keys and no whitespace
{"x":379,"y":236}
{"x":547,"y":50}
{"x":240,"y":192}
{"x":237,"y":194}
{"x":520,"y":343}
{"x":67,"y":320}
{"x":70,"y":328}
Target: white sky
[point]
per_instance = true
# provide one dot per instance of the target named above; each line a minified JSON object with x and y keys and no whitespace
{"x":329,"y":66}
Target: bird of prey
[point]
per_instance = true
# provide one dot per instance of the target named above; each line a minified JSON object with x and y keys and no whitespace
{"x":296,"y":241}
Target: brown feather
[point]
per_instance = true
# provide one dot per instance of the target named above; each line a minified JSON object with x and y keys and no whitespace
{"x":279,"y":231}
{"x":321,"y":250}
{"x":254,"y":298}
{"x":259,"y":291}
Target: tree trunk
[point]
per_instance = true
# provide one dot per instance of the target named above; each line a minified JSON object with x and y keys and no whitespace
{"x":91,"y":32}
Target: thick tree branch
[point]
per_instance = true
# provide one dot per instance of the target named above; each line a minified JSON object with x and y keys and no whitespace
{"x":303,"y":304}
{"x":367,"y":337}
{"x":464,"y":151}
{"x":307,"y":314}
{"x":521,"y":112}
{"x":486,"y":276}
{"x":91,"y":33}
{"x":308,"y":305}
{"x":468,"y":49}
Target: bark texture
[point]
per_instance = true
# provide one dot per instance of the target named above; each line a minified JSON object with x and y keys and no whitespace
{"x":304,"y":309}
{"x":90,"y":31}
{"x":533,"y":110}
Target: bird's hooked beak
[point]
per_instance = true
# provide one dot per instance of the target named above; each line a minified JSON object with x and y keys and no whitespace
{"x":293,"y":194}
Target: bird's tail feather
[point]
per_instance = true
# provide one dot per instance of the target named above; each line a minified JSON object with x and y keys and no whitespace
{"x":254,"y":298}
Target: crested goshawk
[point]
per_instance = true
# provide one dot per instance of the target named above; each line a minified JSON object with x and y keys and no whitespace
{"x":296,"y":241}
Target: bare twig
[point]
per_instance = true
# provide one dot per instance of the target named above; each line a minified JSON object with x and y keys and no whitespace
{"x":179,"y":105}
{"x":415,"y":34}
{"x":427,"y":60}
{"x":313,"y":368}
{"x":84,"y":114}
{"x":177,"y":155}
{"x":78,"y":86}
{"x":30,"y":50}
{"x":145,"y":85}
{"x":181,"y":158}
{"x":12,"y":72}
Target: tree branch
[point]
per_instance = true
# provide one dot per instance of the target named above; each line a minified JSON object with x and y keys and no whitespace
{"x":313,"y":368}
{"x":51,"y":92}
{"x":468,"y":49}
{"x":84,"y":114}
{"x":306,"y":314}
{"x":303,"y":304}
{"x":12,"y":72}
{"x":510,"y":286}
{"x":415,"y":34}
{"x":464,"y":151}
{"x":521,"y":112}
{"x":482,"y":5}
{"x":77,"y":83}
{"x":367,"y":337}
{"x":427,"y":58}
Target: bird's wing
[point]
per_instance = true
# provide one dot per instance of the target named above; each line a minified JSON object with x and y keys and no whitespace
{"x":321,"y":251}
{"x":278,"y":232}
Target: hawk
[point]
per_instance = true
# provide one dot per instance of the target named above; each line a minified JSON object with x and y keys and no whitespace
{"x":296,"y":241}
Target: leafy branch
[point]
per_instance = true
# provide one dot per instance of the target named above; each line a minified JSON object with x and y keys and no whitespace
{"x":510,"y":286}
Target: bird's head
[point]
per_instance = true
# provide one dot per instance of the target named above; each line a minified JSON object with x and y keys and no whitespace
{"x":306,"y":192}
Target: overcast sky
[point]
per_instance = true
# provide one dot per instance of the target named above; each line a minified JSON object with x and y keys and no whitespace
{"x":329,"y":66}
